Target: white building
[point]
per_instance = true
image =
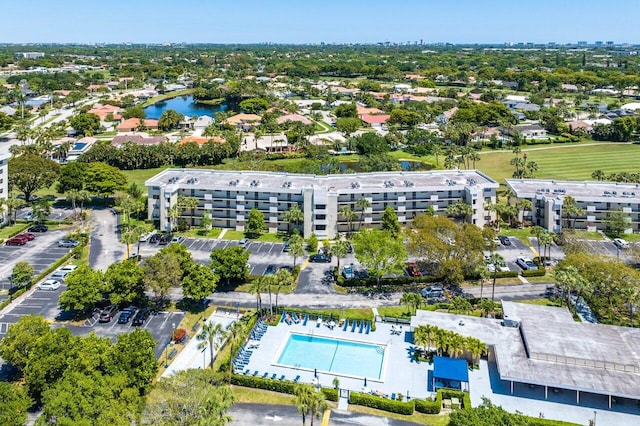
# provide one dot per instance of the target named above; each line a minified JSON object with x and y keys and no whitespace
{"x":4,"y":185}
{"x":229,"y":196}
{"x":597,"y":199}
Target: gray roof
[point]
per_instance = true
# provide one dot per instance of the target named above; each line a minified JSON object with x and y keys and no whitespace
{"x":600,"y":191}
{"x":357,"y":182}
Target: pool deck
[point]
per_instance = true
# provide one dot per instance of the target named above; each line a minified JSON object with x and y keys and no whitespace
{"x":400,"y":374}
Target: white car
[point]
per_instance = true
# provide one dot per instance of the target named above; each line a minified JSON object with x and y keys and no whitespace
{"x":61,"y":273}
{"x":620,"y":243}
{"x":51,"y":285}
{"x":526,"y":264}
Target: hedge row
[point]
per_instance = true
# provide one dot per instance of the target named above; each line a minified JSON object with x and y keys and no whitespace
{"x":330,"y":394}
{"x":367,"y":282}
{"x":535,"y":421}
{"x":381,"y":403}
{"x":540,"y":272}
{"x":428,"y":406}
{"x":263,"y":383}
{"x":505,"y":274}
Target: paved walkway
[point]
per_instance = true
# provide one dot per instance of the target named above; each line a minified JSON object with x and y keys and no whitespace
{"x":193,"y":357}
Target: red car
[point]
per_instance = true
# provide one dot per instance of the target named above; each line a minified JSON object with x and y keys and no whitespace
{"x":412,"y":269}
{"x":16,"y":241}
{"x":29,"y":236}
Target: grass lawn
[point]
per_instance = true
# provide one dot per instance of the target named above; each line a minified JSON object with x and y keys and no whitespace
{"x":522,"y":234}
{"x":10,"y":231}
{"x":539,"y":302}
{"x":260,"y":396}
{"x":231,"y":234}
{"x":575,"y":162}
{"x":201,"y":233}
{"x":141,"y":175}
{"x":268,"y":237}
{"x":584,"y":235}
{"x":427,"y":419}
{"x":394,"y":311}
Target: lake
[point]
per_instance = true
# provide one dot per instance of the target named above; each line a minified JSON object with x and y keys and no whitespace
{"x":185,"y":105}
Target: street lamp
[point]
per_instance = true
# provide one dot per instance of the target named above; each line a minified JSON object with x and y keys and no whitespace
{"x":166,"y":355}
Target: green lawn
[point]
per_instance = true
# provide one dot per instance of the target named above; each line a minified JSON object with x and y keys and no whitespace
{"x":575,"y":162}
{"x":141,"y":175}
{"x":230,"y":234}
{"x":200,"y":233}
{"x":522,"y":234}
{"x":268,"y":237}
{"x":10,"y":231}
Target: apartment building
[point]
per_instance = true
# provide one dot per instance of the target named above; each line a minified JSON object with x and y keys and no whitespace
{"x":597,"y":199}
{"x":4,"y":186}
{"x":229,"y":196}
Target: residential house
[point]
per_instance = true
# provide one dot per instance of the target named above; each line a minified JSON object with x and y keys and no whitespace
{"x":201,"y":140}
{"x":244,"y":122}
{"x":364,"y":111}
{"x":446,"y":116}
{"x":294,"y":117}
{"x":531,"y":131}
{"x":133,"y":124}
{"x":202,"y":122}
{"x":103,"y":111}
{"x":8,"y":110}
{"x":571,"y":88}
{"x":79,"y":147}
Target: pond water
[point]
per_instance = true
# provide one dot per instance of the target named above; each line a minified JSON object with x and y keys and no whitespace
{"x":185,"y":105}
{"x":407,"y":166}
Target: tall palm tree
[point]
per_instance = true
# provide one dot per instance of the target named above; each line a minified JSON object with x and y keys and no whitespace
{"x":546,"y":239}
{"x":348,"y":215}
{"x":537,"y":231}
{"x":363,"y":204}
{"x":477,"y":348}
{"x":293,"y":215}
{"x":340,"y":250}
{"x":496,"y":259}
{"x":317,"y":405}
{"x":13,"y":204}
{"x":234,"y":337}
{"x":256,"y":288}
{"x":212,"y":334}
{"x":456,"y":345}
{"x":283,"y":278}
{"x":568,"y":279}
{"x":303,"y":395}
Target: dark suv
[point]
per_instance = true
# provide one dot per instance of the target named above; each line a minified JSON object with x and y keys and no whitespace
{"x":164,"y":240}
{"x":38,"y":228}
{"x":141,"y":316}
{"x":127,"y":314}
{"x":322,"y":258}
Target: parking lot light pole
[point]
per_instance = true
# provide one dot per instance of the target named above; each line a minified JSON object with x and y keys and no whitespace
{"x":166,"y":355}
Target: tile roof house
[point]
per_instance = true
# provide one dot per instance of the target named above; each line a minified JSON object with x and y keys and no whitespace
{"x":375,"y":121}
{"x":8,"y":110}
{"x":243,"y":121}
{"x":132,"y":124}
{"x":202,"y":122}
{"x":364,"y":110}
{"x":138,"y":139}
{"x":294,"y":117}
{"x":201,"y":140}
{"x":103,"y":110}
{"x":446,"y":116}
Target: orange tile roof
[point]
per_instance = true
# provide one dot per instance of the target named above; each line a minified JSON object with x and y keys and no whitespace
{"x":375,"y":119}
{"x":133,"y":123}
{"x":201,"y":140}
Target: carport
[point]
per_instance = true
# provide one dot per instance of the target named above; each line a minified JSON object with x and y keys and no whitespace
{"x":450,"y":373}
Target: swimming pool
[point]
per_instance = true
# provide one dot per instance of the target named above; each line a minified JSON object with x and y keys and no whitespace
{"x":337,"y":356}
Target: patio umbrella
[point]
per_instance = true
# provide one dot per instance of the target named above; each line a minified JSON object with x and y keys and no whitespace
{"x":315,"y":372}
{"x":365,"y":382}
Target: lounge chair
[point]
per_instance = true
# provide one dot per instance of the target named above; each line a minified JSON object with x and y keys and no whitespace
{"x":295,"y":318}
{"x":346,"y":324}
{"x":255,"y":373}
{"x":393,"y":396}
{"x":274,"y":376}
{"x":284,"y":314}
{"x":319,"y":322}
{"x":354,"y":324}
{"x":361,"y":326}
{"x":282,"y":377}
{"x":246,"y":372}
{"x":265,"y":375}
{"x":297,"y":379}
{"x":306,"y":318}
{"x":368,"y":328}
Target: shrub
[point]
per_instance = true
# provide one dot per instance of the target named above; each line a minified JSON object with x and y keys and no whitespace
{"x":381,"y":403}
{"x":179,"y":335}
{"x":330,"y":394}
{"x":428,"y":406}
{"x":540,"y":272}
{"x":262,"y":383}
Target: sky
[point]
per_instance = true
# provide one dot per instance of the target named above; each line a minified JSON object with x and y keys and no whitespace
{"x":307,"y":21}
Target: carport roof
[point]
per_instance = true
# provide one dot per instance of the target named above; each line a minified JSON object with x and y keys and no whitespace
{"x":450,"y":369}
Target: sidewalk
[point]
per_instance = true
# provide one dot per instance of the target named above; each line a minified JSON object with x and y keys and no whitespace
{"x":193,"y":357}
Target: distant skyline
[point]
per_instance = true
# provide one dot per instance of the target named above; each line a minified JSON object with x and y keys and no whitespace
{"x":329,"y":21}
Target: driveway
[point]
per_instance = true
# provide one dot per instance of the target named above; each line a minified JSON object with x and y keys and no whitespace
{"x":105,"y":247}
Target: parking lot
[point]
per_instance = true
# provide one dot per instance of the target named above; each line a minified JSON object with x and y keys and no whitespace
{"x":57,"y":213}
{"x":40,"y":253}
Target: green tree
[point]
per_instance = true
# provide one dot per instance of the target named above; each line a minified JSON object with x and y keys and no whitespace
{"x":134,"y":112}
{"x":296,"y":247}
{"x":29,"y":173}
{"x":200,"y":282}
{"x":255,"y":223}
{"x":617,"y":222}
{"x":85,"y":124}
{"x":254,"y":105}
{"x":85,"y":287}
{"x":486,"y":414}
{"x":72,"y":177}
{"x":133,"y":356}
{"x":104,"y":180}
{"x":571,"y":211}
{"x":302,"y":400}
{"x":206,"y":222}
{"x":363,"y":204}
{"x":293,"y":215}
{"x":460,"y":209}
{"x":412,"y":301}
{"x":390,"y":222}
{"x":22,"y":274}
{"x":340,"y":250}
{"x":212,"y":335}
{"x":230,"y":263}
{"x":170,"y":119}
{"x":256,"y":288}
{"x":124,"y":282}
{"x":348,"y":126}
{"x":348,"y":215}
{"x":14,"y":403}
{"x":570,"y":280}
{"x":21,"y":339}
{"x":283,"y":278}
{"x":161,"y":272}
{"x":182,"y":255}
{"x":379,"y":252}
{"x":312,"y":242}
{"x":13,"y":204}
{"x":496,"y":259}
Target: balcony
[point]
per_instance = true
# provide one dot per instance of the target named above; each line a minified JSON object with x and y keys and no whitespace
{"x":240,"y":208}
{"x":402,"y":198}
{"x":320,"y":211}
{"x":273,"y":199}
{"x":434,"y":197}
{"x":208,"y":206}
{"x":591,"y":208}
{"x":239,"y":198}
{"x":208,"y":196}
{"x":273,"y":209}
{"x":368,"y":210}
{"x":402,"y":209}
{"x":273,"y":219}
{"x":368,"y":220}
{"x":240,"y":218}
{"x":320,"y":221}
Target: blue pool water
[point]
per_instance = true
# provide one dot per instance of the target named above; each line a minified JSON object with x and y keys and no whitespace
{"x":333,"y":356}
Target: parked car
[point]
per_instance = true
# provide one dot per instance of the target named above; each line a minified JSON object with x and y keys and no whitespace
{"x":141,"y":317}
{"x":526,"y":264}
{"x":145,"y":237}
{"x":620,"y":243}
{"x":127,"y":314}
{"x":28,"y":216}
{"x":287,"y":246}
{"x":60,"y":274}
{"x":164,"y":240}
{"x":413,"y":270}
{"x":243,"y":241}
{"x":178,"y":239}
{"x":153,"y":239}
{"x":504,"y":240}
{"x":348,"y":273}
{"x":68,"y":243}
{"x":432,"y":291}
{"x":28,"y":235}
{"x":51,"y":285}
{"x":320,"y":258}
{"x":107,"y":313}
{"x":38,"y":228}
{"x":271,"y":269}
{"x":68,"y":268}
{"x":16,"y":241}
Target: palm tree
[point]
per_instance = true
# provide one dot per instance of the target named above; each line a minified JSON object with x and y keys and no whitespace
{"x":256,"y":288}
{"x":598,"y":175}
{"x":188,"y":203}
{"x":293,"y":215}
{"x":283,"y":278}
{"x":296,"y":247}
{"x":363,"y":204}
{"x":234,"y":337}
{"x":129,"y":238}
{"x":317,"y":405}
{"x":496,"y":259}
{"x":270,"y":280}
{"x":522,"y":206}
{"x":84,"y":196}
{"x":257,"y":134}
{"x":568,"y":279}
{"x":456,"y":345}
{"x":302,"y":400}
{"x":13,"y":204}
{"x":412,"y":301}
{"x":537,"y":231}
{"x":437,"y":150}
{"x":477,"y":348}
{"x":212,"y":334}
{"x":340,"y":250}
{"x":546,"y":239}
{"x":632,"y":296}
{"x":348,"y":215}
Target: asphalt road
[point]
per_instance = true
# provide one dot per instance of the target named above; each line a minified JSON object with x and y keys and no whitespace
{"x":105,"y":247}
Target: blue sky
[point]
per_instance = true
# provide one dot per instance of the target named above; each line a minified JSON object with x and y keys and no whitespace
{"x":305,"y":21}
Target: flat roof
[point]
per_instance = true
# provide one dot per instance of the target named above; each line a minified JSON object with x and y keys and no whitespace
{"x":606,"y":191}
{"x":354,"y":182}
{"x":549,"y":333}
